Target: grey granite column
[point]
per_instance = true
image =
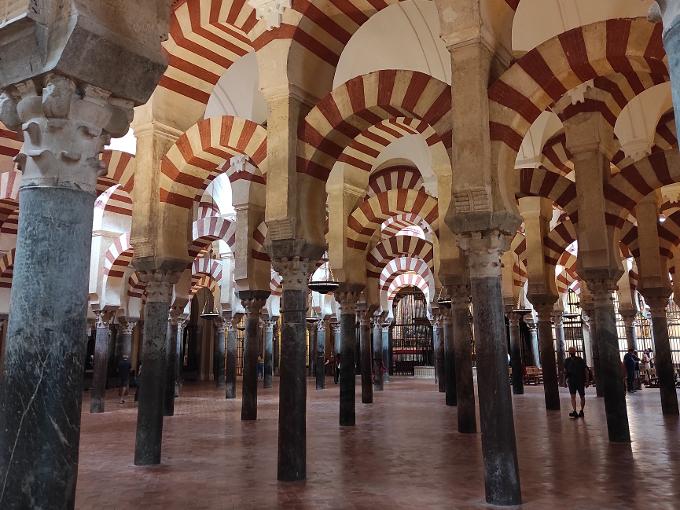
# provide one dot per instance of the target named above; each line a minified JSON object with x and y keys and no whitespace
{"x":170,"y":364}
{"x":628,"y":317}
{"x":607,"y":342}
{"x":462,"y":347}
{"x":125,"y":331}
{"x":662,"y":355}
{"x":101,"y":362}
{"x":366,"y":359}
{"x":533,"y":334}
{"x":41,"y":391}
{"x":377,"y":355}
{"x":516,"y":353}
{"x":335,"y":330}
{"x":347,"y":299}
{"x":230,"y":371}
{"x":669,"y":12}
{"x":3,"y":335}
{"x":434,"y":323}
{"x":311,"y":348}
{"x":181,"y":325}
{"x":268,"y":353}
{"x":551,"y":389}
{"x":499,"y":450}
{"x":560,"y":346}
{"x":253,"y":301}
{"x":589,"y":310}
{"x":219,"y":373}
{"x":321,"y":355}
{"x":153,"y":380}
{"x":386,"y":341}
{"x":449,"y":359}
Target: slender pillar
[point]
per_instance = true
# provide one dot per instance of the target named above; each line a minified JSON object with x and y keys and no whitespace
{"x":253,"y":301}
{"x":462,"y":347}
{"x":377,"y":355}
{"x":268,"y":352}
{"x":3,"y":335}
{"x":662,"y":355}
{"x":219,"y":353}
{"x":125,"y":332}
{"x":171,"y":364}
{"x":669,"y":11}
{"x":589,"y":322}
{"x":559,"y":346}
{"x":436,"y":319}
{"x":311,"y":338}
{"x":41,"y":391}
{"x":321,"y":355}
{"x":276,"y":346}
{"x":501,"y":470}
{"x":628,"y":317}
{"x":516,"y":353}
{"x":292,"y":447}
{"x":181,"y":325}
{"x":101,"y":362}
{"x":533,"y":335}
{"x":440,"y":357}
{"x":547,"y":351}
{"x":152,"y":381}
{"x":366,"y":358}
{"x":347,"y":300}
{"x":230,"y":371}
{"x":607,"y":341}
{"x":449,"y":356}
{"x":386,"y":341}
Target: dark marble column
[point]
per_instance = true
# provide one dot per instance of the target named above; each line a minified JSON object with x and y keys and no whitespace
{"x":628,"y":317}
{"x":3,"y":335}
{"x":276,"y":346}
{"x":560,"y":346}
{"x":386,"y":341}
{"x":516,"y":353}
{"x":125,"y":332}
{"x":610,"y":376}
{"x":321,"y":355}
{"x":547,"y":347}
{"x":101,"y":362}
{"x":292,"y":447}
{"x":170,"y":364}
{"x":533,"y":333}
{"x":377,"y":354}
{"x":219,"y":373}
{"x":501,"y":470}
{"x":440,"y":358}
{"x":589,"y":319}
{"x":181,"y":325}
{"x":670,"y":12}
{"x":462,"y":347}
{"x":253,"y":301}
{"x":366,"y":359}
{"x":347,"y":299}
{"x":662,"y":354}
{"x":230,"y":371}
{"x":449,"y":357}
{"x":311,"y":339}
{"x":152,"y":381}
{"x":268,"y":353}
{"x":434,"y":322}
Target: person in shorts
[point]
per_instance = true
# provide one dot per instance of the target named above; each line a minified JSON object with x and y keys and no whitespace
{"x":576,"y":372}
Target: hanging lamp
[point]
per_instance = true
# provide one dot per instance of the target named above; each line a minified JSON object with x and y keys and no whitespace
{"x":327,"y":283}
{"x":210,"y":312}
{"x":311,"y":318}
{"x":443,"y":301}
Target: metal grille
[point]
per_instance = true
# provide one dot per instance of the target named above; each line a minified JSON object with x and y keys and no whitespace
{"x":673,"y":314}
{"x":411,"y":333}
{"x":240,"y":337}
{"x":573,"y":325}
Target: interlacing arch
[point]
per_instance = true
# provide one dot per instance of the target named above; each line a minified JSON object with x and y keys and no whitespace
{"x":118,"y":256}
{"x":364,"y":101}
{"x":370,"y":213}
{"x":398,"y":246}
{"x":196,"y":156}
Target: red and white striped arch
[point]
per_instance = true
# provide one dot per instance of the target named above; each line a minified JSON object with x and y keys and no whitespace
{"x":540,"y":182}
{"x":120,"y":169}
{"x":556,"y":156}
{"x":365,"y":101}
{"x":10,"y":145}
{"x":393,"y":177}
{"x":409,"y":280}
{"x":568,"y":275}
{"x":557,"y":240}
{"x":205,"y":272}
{"x":399,"y":224}
{"x":206,"y":209}
{"x":404,"y":265}
{"x":210,"y":229}
{"x":275,"y":284}
{"x":9,"y":193}
{"x":114,"y":201}
{"x":369,"y":214}
{"x":6,"y":269}
{"x":398,"y":246}
{"x":118,"y":257}
{"x":197,"y":156}
{"x":258,"y":250}
{"x":666,"y":135}
{"x":136,"y":287}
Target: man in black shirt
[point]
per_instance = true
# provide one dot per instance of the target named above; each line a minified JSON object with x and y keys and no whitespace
{"x":576,"y":373}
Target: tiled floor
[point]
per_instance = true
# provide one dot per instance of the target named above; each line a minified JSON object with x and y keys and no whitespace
{"x":403,"y":453}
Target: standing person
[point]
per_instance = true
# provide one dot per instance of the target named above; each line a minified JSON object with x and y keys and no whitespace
{"x":646,"y":366}
{"x":124,"y":367}
{"x":629,"y":362}
{"x":336,"y":375}
{"x":576,"y":371}
{"x":260,"y":368}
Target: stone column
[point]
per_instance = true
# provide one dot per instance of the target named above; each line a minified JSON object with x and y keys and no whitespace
{"x":501,"y":471}
{"x":125,"y":332}
{"x":292,"y":448}
{"x":335,"y":330}
{"x":448,"y":342}
{"x":321,"y":355}
{"x":516,"y":353}
{"x":181,"y":325}
{"x":230,"y":370}
{"x":607,"y":341}
{"x":434,"y":322}
{"x":662,"y":350}
{"x":253,"y":301}
{"x":311,"y":348}
{"x":533,"y":334}
{"x":386,"y":341}
{"x":101,"y":362}
{"x":560,"y":347}
{"x":547,"y":351}
{"x":219,"y":373}
{"x":629,"y":322}
{"x":152,"y":381}
{"x":347,"y":299}
{"x":276,"y":346}
{"x":440,"y":356}
{"x":589,"y":321}
{"x":668,"y":11}
{"x":171,"y":364}
{"x":462,"y":347}
{"x":268,"y":353}
{"x":366,"y":355}
{"x":377,"y":355}
{"x":3,"y":335}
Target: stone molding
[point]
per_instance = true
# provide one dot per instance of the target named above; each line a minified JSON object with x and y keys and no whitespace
{"x":483,"y":251}
{"x":348,"y":298}
{"x":128,"y":327}
{"x":294,"y":272}
{"x":159,"y":284}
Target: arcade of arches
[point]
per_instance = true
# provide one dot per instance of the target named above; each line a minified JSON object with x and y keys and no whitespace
{"x":475,"y":181}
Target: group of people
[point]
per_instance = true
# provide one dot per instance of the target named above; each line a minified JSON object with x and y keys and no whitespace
{"x":638,"y":369}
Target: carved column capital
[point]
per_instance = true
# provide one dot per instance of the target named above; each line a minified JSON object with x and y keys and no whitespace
{"x":220,"y":324}
{"x":159,"y":284}
{"x":347,"y":297}
{"x":128,"y":326}
{"x":483,"y":251}
{"x":294,"y":272}
{"x":601,"y":290}
{"x":514,"y":319}
{"x":253,"y":301}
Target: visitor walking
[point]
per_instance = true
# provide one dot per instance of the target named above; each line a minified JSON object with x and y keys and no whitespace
{"x":576,"y":372}
{"x":646,"y":367}
{"x":124,"y":367}
{"x":629,"y":362}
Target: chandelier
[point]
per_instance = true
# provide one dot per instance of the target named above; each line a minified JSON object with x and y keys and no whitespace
{"x":326,"y":282}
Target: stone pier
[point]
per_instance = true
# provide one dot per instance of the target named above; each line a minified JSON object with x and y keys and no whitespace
{"x":253,"y":301}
